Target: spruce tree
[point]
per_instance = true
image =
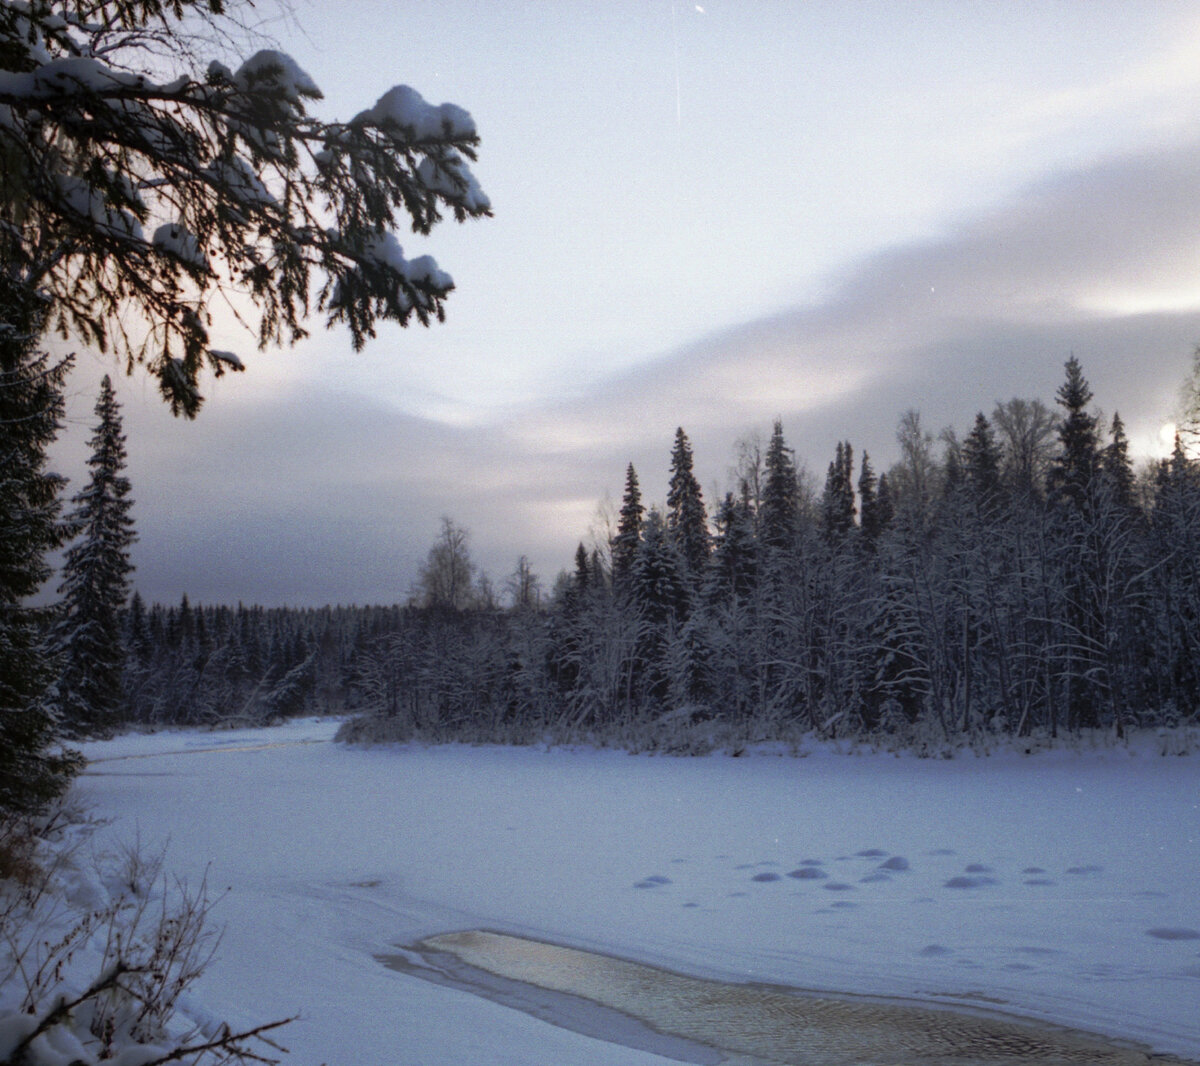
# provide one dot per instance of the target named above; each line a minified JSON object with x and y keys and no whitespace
{"x":687,"y":521}
{"x":868,"y":494}
{"x":885,"y":508}
{"x":33,"y":770}
{"x":1072,"y":484}
{"x":141,"y":185}
{"x":95,"y":583}
{"x":1176,"y":530}
{"x":734,"y":570}
{"x":1117,"y":467}
{"x":661,"y":600}
{"x":779,"y":513}
{"x":837,"y":503}
{"x":981,"y":465}
{"x":1079,"y":446}
{"x":629,"y":529}
{"x":582,"y":570}
{"x":658,"y":586}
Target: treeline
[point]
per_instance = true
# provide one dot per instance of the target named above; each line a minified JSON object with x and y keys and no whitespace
{"x":1020,"y":580}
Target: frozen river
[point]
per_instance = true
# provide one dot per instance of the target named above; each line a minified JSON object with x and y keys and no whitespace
{"x":1059,"y":888}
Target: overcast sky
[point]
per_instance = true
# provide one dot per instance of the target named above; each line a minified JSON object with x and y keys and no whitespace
{"x":709,"y":216}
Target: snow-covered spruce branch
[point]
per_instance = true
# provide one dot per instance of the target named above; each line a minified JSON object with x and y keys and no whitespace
{"x":124,"y":191}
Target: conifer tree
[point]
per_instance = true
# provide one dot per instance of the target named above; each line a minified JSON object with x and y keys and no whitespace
{"x":1072,"y":482}
{"x":1117,"y":467}
{"x":95,"y":582}
{"x":837,"y":503}
{"x":868,"y":495}
{"x":659,"y":590}
{"x":779,"y":513}
{"x":1176,"y":529}
{"x":734,"y":568}
{"x":981,"y":464}
{"x":687,"y":522}
{"x":582,"y":570}
{"x":629,"y":529}
{"x":885,"y":508}
{"x":1078,"y":457}
{"x":32,"y":771}
{"x":661,"y":600}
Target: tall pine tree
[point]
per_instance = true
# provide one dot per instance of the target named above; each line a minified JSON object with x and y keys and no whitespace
{"x":95,"y":583}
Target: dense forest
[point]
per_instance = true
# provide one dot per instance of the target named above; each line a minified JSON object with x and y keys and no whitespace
{"x":1019,"y":580}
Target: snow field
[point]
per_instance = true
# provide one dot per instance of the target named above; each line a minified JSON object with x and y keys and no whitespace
{"x":1060,"y":886}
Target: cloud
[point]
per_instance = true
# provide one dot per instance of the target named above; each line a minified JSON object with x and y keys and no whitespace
{"x":1103,"y":263}
{"x":312,"y":494}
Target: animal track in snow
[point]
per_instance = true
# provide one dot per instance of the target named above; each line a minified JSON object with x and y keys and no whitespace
{"x":969,"y":881}
{"x":808,"y":873}
{"x":1173,"y":932}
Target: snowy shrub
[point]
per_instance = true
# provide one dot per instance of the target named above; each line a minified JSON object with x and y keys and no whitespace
{"x":94,"y":960}
{"x":1182,"y":740}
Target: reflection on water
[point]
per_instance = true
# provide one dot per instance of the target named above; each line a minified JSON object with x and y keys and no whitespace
{"x":712,"y":1021}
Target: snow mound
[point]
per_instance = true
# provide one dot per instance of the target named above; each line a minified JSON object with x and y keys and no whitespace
{"x":402,"y":110}
{"x":276,"y":73}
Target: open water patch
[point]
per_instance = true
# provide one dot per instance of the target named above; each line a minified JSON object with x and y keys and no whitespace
{"x":707,"y":1022}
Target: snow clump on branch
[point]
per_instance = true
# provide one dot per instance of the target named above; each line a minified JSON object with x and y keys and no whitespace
{"x":239,"y":189}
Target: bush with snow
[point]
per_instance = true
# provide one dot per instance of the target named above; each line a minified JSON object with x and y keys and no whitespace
{"x":95,"y":959}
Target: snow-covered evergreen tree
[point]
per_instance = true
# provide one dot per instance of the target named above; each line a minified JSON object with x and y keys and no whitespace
{"x":1116,"y":465}
{"x":95,"y":585}
{"x":32,"y":771}
{"x":660,"y":599}
{"x":837,"y":501}
{"x":733,"y":571}
{"x":629,"y":529}
{"x":1079,"y":442}
{"x":778,"y":516}
{"x":658,"y":584}
{"x":137,"y":185}
{"x":687,"y":521}
{"x":981,"y":466}
{"x":868,"y":495}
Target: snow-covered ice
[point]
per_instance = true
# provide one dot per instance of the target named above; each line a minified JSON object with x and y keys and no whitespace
{"x":1060,"y":886}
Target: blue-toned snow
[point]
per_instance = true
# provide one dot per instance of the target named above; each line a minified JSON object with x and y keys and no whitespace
{"x":1062,"y":886}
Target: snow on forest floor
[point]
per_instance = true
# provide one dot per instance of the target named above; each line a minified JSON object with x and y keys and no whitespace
{"x":1061,"y":886}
